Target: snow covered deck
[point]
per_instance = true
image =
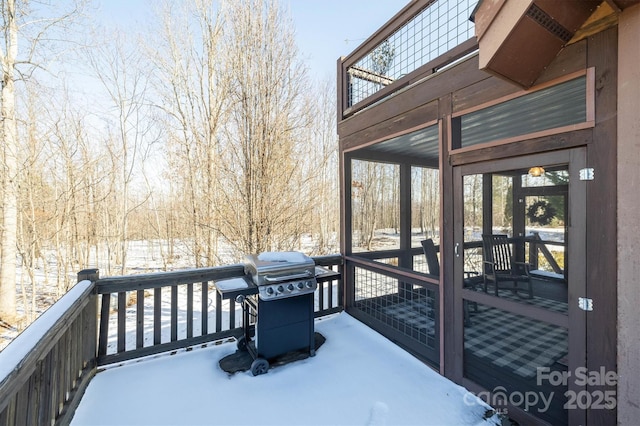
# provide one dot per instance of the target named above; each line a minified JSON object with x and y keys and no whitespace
{"x":357,"y":377}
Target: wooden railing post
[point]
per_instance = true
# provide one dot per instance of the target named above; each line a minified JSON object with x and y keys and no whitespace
{"x":89,"y":274}
{"x":534,"y":250}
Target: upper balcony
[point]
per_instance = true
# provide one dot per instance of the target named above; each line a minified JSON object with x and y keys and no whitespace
{"x":423,"y":38}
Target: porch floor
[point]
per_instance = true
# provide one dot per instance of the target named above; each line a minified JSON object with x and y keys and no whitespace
{"x":356,"y":378}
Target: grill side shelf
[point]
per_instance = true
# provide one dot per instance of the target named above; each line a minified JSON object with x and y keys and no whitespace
{"x":325,"y":274}
{"x":233,"y":287}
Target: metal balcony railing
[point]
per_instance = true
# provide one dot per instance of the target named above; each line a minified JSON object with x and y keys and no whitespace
{"x":422,"y":38}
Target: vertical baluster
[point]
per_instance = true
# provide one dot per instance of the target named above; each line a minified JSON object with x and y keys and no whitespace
{"x":330,"y":290}
{"x":104,"y":324}
{"x":341,"y":295}
{"x":321,"y":296}
{"x":232,"y":314}
{"x":157,"y":315}
{"x":218,"y":312}
{"x":122,"y":320}
{"x":174,"y":313}
{"x":139,"y":319}
{"x":205,"y":308}
{"x":189,"y":310}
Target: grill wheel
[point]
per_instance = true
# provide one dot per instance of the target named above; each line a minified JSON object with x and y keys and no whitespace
{"x":259,"y":366}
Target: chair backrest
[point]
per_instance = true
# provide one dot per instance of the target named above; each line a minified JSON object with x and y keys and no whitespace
{"x":496,"y":248}
{"x":431,"y":254}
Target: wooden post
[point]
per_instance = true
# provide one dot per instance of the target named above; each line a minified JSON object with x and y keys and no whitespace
{"x":89,"y":274}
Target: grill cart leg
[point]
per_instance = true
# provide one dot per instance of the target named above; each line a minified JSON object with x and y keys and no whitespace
{"x":244,"y":340}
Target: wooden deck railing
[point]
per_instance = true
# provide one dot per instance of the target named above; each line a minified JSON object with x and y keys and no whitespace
{"x":45,"y":370}
{"x":537,"y":247}
{"x":163,"y":312}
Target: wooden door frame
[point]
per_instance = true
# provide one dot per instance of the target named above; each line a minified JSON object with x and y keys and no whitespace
{"x":575,"y":321}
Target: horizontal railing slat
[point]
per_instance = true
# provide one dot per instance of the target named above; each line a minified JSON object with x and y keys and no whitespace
{"x":163,"y":279}
{"x":168,"y":347}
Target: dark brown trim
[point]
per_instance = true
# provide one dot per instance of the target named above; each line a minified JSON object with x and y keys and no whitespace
{"x":575,"y":260}
{"x":601,"y":237}
{"x":392,"y":117}
{"x":346,"y":207}
{"x":487,"y":204}
{"x":406,"y":259}
{"x":450,"y":312}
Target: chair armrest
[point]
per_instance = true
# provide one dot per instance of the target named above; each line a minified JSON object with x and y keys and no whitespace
{"x":489,"y":267}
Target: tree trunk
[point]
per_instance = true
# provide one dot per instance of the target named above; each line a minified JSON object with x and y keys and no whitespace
{"x":10,"y":175}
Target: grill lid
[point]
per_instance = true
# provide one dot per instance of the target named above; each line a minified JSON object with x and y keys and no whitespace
{"x":272,"y":267}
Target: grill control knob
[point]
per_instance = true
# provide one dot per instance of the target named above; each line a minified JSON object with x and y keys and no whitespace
{"x":280,"y":289}
{"x":309,"y":284}
{"x":301,"y":285}
{"x":270,"y":291}
{"x":290,"y":287}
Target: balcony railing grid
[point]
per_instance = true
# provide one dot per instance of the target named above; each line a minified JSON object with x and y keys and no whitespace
{"x":438,"y":28}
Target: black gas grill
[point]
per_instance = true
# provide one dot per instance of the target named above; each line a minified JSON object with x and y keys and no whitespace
{"x":277,"y":297}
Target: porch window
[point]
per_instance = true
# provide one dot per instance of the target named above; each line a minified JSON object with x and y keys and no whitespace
{"x":558,"y":106}
{"x":376,"y":206}
{"x":425,"y":211}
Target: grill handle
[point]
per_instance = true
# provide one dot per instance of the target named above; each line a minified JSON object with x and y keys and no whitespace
{"x":305,"y":274}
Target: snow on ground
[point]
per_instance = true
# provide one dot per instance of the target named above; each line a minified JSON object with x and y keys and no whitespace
{"x":357,"y":377}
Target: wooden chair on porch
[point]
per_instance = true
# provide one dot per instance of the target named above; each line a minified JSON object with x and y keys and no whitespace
{"x":471,"y":281}
{"x":501,"y":267}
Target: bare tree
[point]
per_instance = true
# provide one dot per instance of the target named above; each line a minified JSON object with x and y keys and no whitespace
{"x":10,"y":165}
{"x":322,"y":149}
{"x":33,"y":25}
{"x":118,"y":67}
{"x":192,"y":87}
{"x":263,"y":140}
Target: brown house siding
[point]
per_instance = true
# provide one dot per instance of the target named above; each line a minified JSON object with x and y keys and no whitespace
{"x":628,"y":196}
{"x":464,"y":86}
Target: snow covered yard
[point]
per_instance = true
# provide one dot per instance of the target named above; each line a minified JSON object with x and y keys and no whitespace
{"x":357,"y":377}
